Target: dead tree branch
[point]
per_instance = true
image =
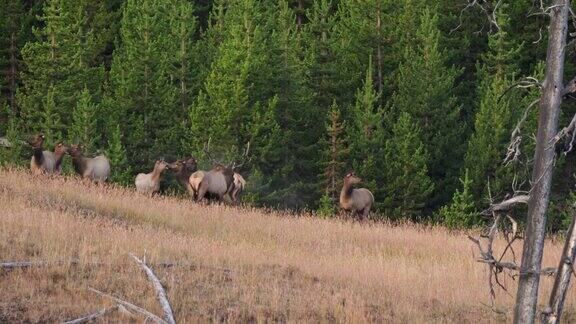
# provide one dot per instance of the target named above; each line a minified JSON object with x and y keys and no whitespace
{"x":92,"y":316}
{"x":130,"y":306}
{"x":11,"y":265}
{"x":513,"y":151}
{"x":506,"y":204}
{"x":160,"y":292}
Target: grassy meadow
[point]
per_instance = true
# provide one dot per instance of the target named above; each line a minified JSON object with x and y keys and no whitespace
{"x":221,"y":263}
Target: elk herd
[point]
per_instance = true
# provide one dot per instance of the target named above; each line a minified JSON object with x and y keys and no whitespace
{"x":221,"y":183}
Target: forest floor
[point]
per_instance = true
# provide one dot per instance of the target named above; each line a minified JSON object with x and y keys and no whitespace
{"x":232,"y":264}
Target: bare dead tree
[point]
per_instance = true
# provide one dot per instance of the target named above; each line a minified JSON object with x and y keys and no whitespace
{"x":544,"y":157}
{"x":552,"y":93}
{"x":562,"y":281}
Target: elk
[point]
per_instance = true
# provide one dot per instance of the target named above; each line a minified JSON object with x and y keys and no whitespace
{"x":355,"y":200}
{"x":46,"y":161}
{"x":221,"y":180}
{"x":149,"y":183}
{"x":183,"y":169}
{"x":96,"y":168}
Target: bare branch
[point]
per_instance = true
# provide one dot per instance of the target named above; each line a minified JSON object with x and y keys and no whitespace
{"x":513,"y":151}
{"x":92,"y":316}
{"x":130,"y":306}
{"x":160,"y":292}
{"x":506,"y":204}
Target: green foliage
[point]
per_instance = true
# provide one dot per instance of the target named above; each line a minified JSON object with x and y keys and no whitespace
{"x":495,"y":117}
{"x":59,"y":61}
{"x":326,"y":206}
{"x":83,"y":128}
{"x":315,"y":86}
{"x":121,"y":171}
{"x":407,"y":185}
{"x":461,"y":212}
{"x":11,"y":155}
{"x":425,"y":91}
{"x":334,"y":154}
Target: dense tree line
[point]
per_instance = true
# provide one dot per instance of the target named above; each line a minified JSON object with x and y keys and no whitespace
{"x":413,"y":95}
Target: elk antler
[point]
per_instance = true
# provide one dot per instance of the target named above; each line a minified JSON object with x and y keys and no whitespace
{"x":206,"y":151}
{"x":243,"y":156}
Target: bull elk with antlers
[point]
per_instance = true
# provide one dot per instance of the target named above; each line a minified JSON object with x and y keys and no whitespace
{"x":221,"y":181}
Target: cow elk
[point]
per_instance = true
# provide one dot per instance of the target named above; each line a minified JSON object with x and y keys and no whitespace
{"x":183,"y":169}
{"x":353,"y":200}
{"x":149,"y":183}
{"x":96,"y":168}
{"x":46,"y":162}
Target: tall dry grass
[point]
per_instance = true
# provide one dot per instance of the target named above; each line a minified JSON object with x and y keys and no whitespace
{"x":231,"y":264}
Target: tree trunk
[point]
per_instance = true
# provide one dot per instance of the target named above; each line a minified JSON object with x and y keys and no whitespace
{"x":551,"y":98}
{"x":563,"y":275}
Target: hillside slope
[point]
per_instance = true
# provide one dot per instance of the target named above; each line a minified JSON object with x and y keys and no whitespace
{"x":231,"y":264}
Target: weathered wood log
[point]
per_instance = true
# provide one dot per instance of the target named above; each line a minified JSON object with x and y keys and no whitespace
{"x":130,"y":306}
{"x":92,"y":316}
{"x":160,"y":292}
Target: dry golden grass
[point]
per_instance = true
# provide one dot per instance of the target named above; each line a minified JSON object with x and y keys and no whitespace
{"x":232,"y":264}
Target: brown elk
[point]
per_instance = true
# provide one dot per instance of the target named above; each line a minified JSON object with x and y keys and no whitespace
{"x":221,"y":180}
{"x":96,"y":168}
{"x":355,"y":200}
{"x":46,"y":161}
{"x":183,"y":169}
{"x":149,"y":183}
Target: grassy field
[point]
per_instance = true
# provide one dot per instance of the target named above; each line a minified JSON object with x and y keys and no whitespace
{"x":230,"y":264}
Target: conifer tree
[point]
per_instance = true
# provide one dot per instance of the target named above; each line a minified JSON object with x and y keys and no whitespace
{"x":461,"y":212}
{"x":366,"y":136}
{"x":407,"y":184}
{"x":424,"y":91}
{"x":11,"y":155}
{"x":495,"y":116}
{"x":121,"y":171}
{"x":83,"y":127}
{"x":144,"y":96}
{"x":334,"y":154}
{"x":60,"y":60}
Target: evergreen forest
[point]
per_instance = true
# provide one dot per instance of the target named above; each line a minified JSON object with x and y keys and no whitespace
{"x":416,"y":96}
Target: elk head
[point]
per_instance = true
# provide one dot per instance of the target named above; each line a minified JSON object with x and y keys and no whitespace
{"x":75,"y":150}
{"x":60,"y":149}
{"x":352,"y":178}
{"x":37,"y":141}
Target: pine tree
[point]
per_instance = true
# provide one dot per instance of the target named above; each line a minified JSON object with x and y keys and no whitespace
{"x":334,"y":154}
{"x":50,"y":124}
{"x":144,"y":96}
{"x":11,"y":155}
{"x":60,"y":59}
{"x":495,"y":116}
{"x":461,"y":212}
{"x":425,"y":87}
{"x":224,"y":103}
{"x":16,"y":19}
{"x":407,"y":184}
{"x":121,"y":172}
{"x":366,"y":136}
{"x":83,"y":127}
{"x":284,"y":76}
